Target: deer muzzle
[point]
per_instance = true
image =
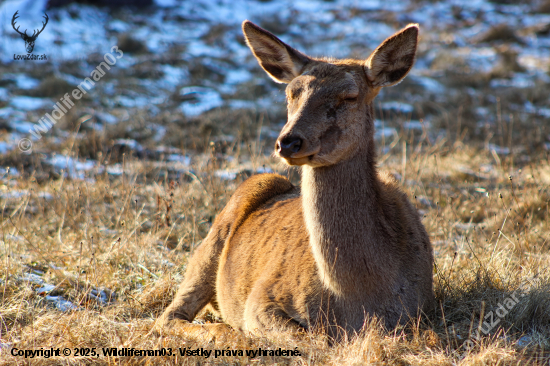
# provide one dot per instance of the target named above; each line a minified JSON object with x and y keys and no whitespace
{"x":288,"y":146}
{"x":294,"y":149}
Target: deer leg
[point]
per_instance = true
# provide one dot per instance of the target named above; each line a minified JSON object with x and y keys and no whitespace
{"x":262,"y":314}
{"x":199,"y":285}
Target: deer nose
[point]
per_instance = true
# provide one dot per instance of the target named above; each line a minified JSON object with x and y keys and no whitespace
{"x":288,"y":146}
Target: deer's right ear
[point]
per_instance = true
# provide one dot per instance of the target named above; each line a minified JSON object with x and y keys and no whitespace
{"x":282,"y":62}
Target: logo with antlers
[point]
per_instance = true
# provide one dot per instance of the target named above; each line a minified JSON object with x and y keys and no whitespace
{"x":29,"y":40}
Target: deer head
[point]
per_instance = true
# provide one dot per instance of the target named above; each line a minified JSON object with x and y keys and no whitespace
{"x":330,"y":114}
{"x":29,"y":40}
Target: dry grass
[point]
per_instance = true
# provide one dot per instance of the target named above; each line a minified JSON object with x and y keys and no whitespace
{"x":116,"y":247}
{"x":130,"y":237}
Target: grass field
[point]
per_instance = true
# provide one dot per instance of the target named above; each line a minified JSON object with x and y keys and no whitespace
{"x":116,"y":249}
{"x":97,"y":223}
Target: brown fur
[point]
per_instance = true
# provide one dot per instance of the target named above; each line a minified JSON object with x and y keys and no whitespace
{"x":348,"y":245}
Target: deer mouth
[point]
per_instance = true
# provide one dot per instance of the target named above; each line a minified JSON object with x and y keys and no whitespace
{"x":301,"y":158}
{"x":298,"y":161}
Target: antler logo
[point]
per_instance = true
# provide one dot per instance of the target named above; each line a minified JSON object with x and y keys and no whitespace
{"x":29,"y":40}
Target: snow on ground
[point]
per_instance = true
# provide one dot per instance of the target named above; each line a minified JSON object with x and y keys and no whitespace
{"x":207,"y":32}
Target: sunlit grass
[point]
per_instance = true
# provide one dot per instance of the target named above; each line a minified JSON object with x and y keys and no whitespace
{"x":129,"y":238}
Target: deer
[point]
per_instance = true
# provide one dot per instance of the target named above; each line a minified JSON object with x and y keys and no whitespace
{"x":344,"y":247}
{"x":29,"y":40}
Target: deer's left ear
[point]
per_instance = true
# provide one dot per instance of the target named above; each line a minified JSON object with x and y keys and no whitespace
{"x":394,"y":58}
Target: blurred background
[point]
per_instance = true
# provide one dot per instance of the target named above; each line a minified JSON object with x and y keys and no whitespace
{"x":187,"y":84}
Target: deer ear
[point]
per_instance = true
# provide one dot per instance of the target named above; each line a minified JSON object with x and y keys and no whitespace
{"x":394,"y":58}
{"x":282,"y":62}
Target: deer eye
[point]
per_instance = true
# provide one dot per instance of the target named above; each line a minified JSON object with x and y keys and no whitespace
{"x":352,"y":97}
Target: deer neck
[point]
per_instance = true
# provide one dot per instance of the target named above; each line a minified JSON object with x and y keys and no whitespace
{"x":341,"y":210}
